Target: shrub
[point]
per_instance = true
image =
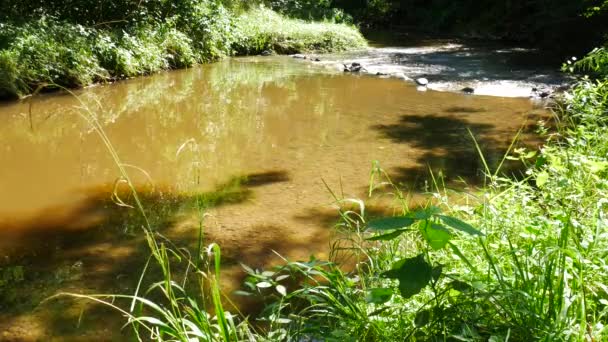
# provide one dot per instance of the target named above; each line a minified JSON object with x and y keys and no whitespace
{"x":9,"y":75}
{"x":263,"y":29}
{"x":595,"y":63}
{"x":47,"y":52}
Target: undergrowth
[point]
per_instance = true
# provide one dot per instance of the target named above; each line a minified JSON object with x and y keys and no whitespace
{"x":48,"y":51}
{"x":263,"y":29}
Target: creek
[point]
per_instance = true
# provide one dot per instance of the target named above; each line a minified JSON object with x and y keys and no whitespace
{"x":258,"y":137}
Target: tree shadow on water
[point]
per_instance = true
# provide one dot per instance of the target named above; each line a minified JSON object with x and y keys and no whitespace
{"x":95,"y":245}
{"x":446,"y":148}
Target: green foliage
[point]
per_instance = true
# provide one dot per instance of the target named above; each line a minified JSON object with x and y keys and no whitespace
{"x":9,"y":75}
{"x":414,"y":274}
{"x":263,"y":29}
{"x":323,"y":10}
{"x":542,"y":22}
{"x":328,"y":304}
{"x":56,"y":54}
{"x":11,"y":275}
{"x":182,"y":317}
{"x":69,"y":44}
{"x":594,"y":63}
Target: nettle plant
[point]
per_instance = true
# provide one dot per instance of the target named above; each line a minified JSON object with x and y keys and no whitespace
{"x":416,"y":273}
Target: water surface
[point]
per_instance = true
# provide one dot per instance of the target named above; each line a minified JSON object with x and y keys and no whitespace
{"x":451,"y":65}
{"x":257,"y":137}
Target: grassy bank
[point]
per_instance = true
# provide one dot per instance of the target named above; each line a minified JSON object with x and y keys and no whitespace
{"x":51,"y":51}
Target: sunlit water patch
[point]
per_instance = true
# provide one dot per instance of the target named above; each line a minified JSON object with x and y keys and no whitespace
{"x":451,"y":66}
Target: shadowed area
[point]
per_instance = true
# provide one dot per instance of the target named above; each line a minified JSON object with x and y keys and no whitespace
{"x":99,"y":247}
{"x":449,"y":151}
{"x":465,"y":110}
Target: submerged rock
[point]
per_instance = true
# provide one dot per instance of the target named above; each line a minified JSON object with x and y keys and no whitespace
{"x":541,"y":93}
{"x":354,"y":67}
{"x":299,"y":56}
{"x":400,"y":76}
{"x":467,"y":90}
{"x":422,"y":81}
{"x":267,"y":53}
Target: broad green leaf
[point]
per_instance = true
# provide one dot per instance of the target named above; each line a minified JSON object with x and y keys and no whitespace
{"x":379,"y":295}
{"x":389,"y":236}
{"x":437,"y":271}
{"x":436,"y":235}
{"x":413,"y":274}
{"x":282,"y":290}
{"x":542,"y":178}
{"x":151,"y":320}
{"x":398,"y":264}
{"x":459,"y":225}
{"x":422,"y":318}
{"x":540,"y":161}
{"x":282,"y":320}
{"x":460,"y":286}
{"x":247,"y":269}
{"x":390,"y":223}
{"x":282,"y":277}
{"x":263,"y":285}
{"x":242,"y":293}
{"x":426,"y":213}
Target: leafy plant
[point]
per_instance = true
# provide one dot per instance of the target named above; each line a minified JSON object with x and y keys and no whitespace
{"x":415,"y":273}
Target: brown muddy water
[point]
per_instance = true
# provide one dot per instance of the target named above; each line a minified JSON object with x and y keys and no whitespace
{"x":255,"y":137}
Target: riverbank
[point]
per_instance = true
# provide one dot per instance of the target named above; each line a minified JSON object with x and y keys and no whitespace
{"x":52,"y":53}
